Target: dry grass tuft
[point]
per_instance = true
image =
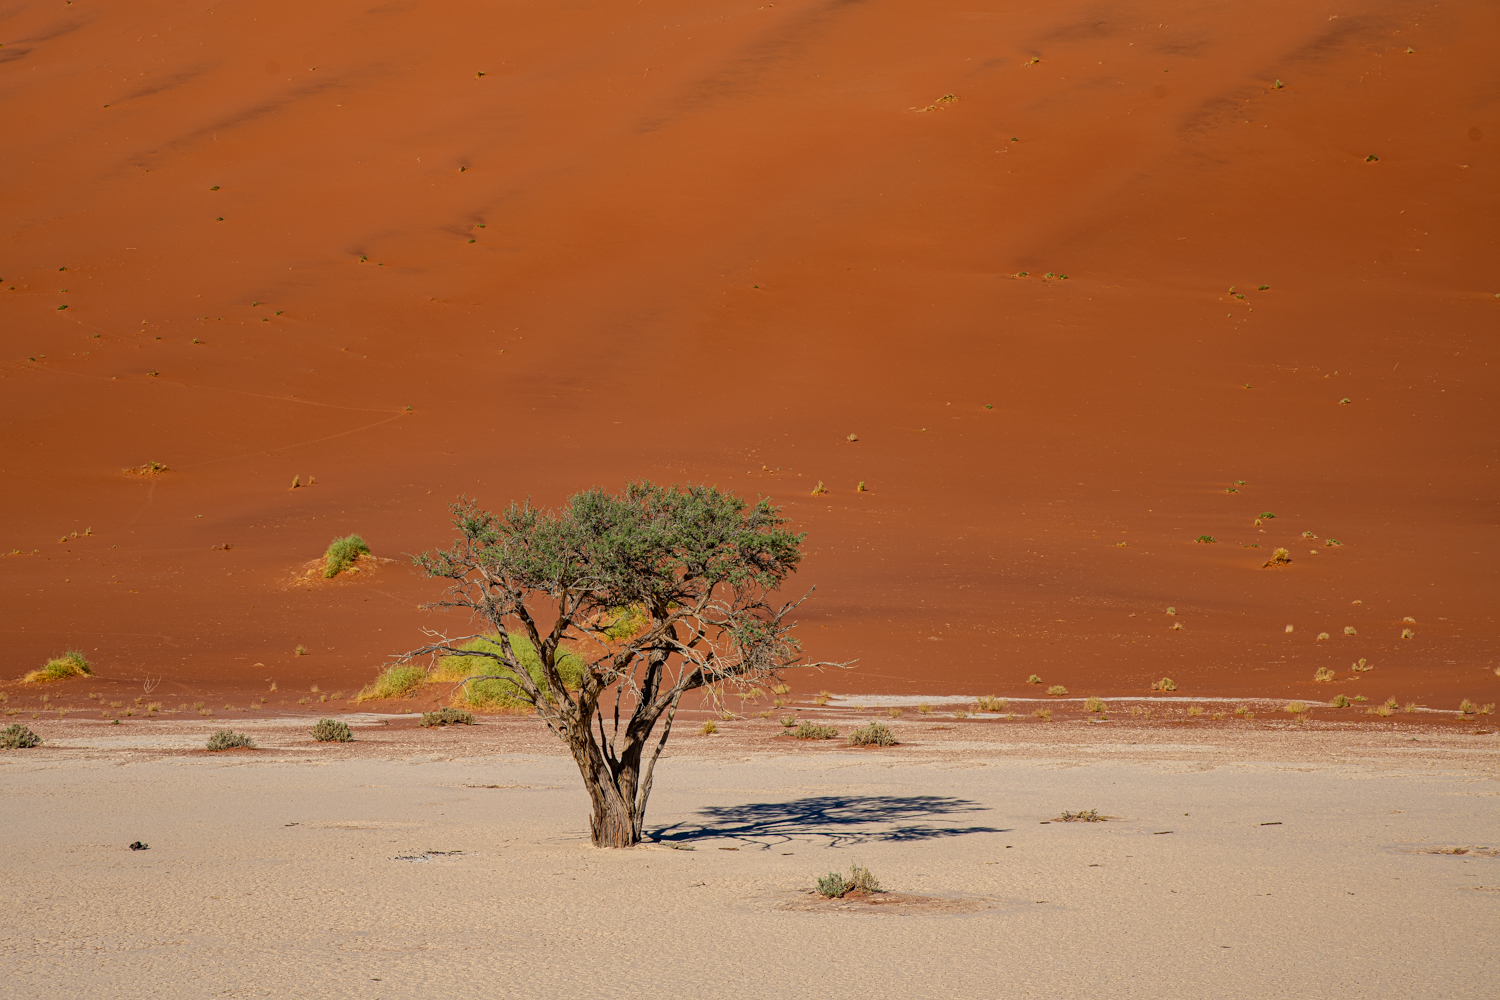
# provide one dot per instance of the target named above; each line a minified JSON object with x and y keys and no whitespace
{"x":1467,"y":707}
{"x":395,"y":681}
{"x":228,"y":739}
{"x":1095,"y":704}
{"x":1361,"y":666}
{"x":1045,"y":714}
{"x":924,"y":708}
{"x":709,"y":728}
{"x":1340,"y":701}
{"x":70,"y":664}
{"x":342,"y":554}
{"x":1295,"y":707}
{"x":1195,"y":711}
{"x":1324,"y":675}
{"x":1165,"y":684}
{"x":1033,"y":679}
{"x":989,"y":703}
{"x":893,"y":712}
{"x":1280,"y":557}
{"x":447,"y":717}
{"x":813,"y":731}
{"x":1083,"y":816}
{"x":1057,"y":689}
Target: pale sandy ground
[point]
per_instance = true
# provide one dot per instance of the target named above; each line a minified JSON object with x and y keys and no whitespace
{"x":303,"y":870}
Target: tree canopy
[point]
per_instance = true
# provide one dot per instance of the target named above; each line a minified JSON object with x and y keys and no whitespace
{"x":696,"y":565}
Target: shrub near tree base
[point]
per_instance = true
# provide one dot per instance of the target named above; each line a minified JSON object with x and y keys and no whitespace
{"x":700,"y":564}
{"x":447,"y":717}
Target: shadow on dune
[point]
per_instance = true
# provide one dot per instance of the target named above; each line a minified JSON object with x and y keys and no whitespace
{"x":843,"y":819}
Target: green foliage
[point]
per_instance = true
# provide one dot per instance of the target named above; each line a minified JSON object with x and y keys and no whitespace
{"x":17,"y":737}
{"x":447,"y":717}
{"x":625,"y":622}
{"x":331,"y":731}
{"x":228,"y":739}
{"x":1340,"y":701}
{"x":504,"y":693}
{"x":342,"y":553}
{"x":874,"y":734}
{"x":1206,"y":539}
{"x":71,"y":664}
{"x":832,"y":885}
{"x":813,"y":731}
{"x":395,"y":681}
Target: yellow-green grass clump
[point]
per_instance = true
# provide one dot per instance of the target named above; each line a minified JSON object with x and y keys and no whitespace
{"x":502,"y":694}
{"x":342,"y":554}
{"x":60,"y":668}
{"x":396,"y":681}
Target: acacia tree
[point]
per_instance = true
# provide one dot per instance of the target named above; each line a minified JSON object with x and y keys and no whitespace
{"x":699,"y":565}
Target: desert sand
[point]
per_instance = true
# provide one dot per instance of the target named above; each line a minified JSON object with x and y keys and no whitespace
{"x":413,"y":250}
{"x":412,"y":862}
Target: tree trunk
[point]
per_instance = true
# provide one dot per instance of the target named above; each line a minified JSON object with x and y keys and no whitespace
{"x":613,"y":821}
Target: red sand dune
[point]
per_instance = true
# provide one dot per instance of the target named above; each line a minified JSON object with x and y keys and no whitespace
{"x":707,"y":242}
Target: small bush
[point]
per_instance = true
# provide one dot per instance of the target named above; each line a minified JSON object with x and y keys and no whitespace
{"x":447,"y":717}
{"x":709,"y":728}
{"x":1361,"y":665}
{"x":1057,"y":689}
{"x":1095,"y":704}
{"x":1295,"y":707}
{"x":331,"y":731}
{"x":1165,"y":684}
{"x":17,"y":737}
{"x":625,"y":622}
{"x":788,"y":721}
{"x":832,"y":886}
{"x":1407,"y":633}
{"x":1045,"y":714}
{"x":1325,"y":675}
{"x":1195,"y":711}
{"x":1323,"y":637}
{"x":395,"y":681}
{"x":960,"y":714}
{"x":924,"y":708}
{"x":1349,"y":630}
{"x":1280,"y":557}
{"x":343,"y":553}
{"x":1409,"y":707}
{"x":893,"y":712}
{"x":992,"y":704}
{"x":1467,"y":707}
{"x":1340,"y":701}
{"x":1384,"y":711}
{"x":1084,"y":816}
{"x":60,"y":668}
{"x":1033,"y":679}
{"x":228,"y":739}
{"x":875,"y":734}
{"x":781,"y":689}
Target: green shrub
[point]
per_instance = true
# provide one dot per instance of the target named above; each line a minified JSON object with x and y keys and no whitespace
{"x":447,"y":717}
{"x":228,"y":739}
{"x":18,"y":737}
{"x":832,"y":885}
{"x":813,"y":731}
{"x":625,"y":622}
{"x":60,"y":668}
{"x":875,"y":734}
{"x":504,"y":693}
{"x":395,"y":681}
{"x":331,"y":731}
{"x":1340,"y":701}
{"x":343,"y":553}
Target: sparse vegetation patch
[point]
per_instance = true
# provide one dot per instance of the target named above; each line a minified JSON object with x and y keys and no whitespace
{"x":874,"y":734}
{"x":17,"y":737}
{"x":331,"y":731}
{"x":1083,"y":816}
{"x":70,"y":664}
{"x":228,"y":739}
{"x":813,"y":731}
{"x":342,"y":554}
{"x":447,"y":717}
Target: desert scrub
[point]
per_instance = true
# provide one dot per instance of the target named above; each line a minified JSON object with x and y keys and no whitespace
{"x":992,"y":704}
{"x":1195,"y":711}
{"x":1295,"y":707}
{"x":1057,"y":690}
{"x":1323,"y":637}
{"x":625,"y":622}
{"x":1467,"y":707}
{"x":1165,"y":684}
{"x":1324,"y":675}
{"x":813,"y":731}
{"x":395,"y":681}
{"x":875,"y":734}
{"x":331,"y":731}
{"x":228,"y":739}
{"x":343,"y":553}
{"x":503,"y":692}
{"x":447,"y":717}
{"x":1045,"y":714}
{"x":17,"y":737}
{"x":924,"y":708}
{"x":1280,"y":557}
{"x":1340,"y":701}
{"x":834,"y":885}
{"x":1095,"y":704}
{"x":894,"y":712}
{"x":71,"y":664}
{"x":1082,"y":816}
{"x":709,"y":728}
{"x":1407,"y":633}
{"x":1033,"y":679}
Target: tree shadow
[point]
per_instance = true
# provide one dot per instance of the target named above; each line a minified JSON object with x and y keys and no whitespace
{"x":843,"y":819}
